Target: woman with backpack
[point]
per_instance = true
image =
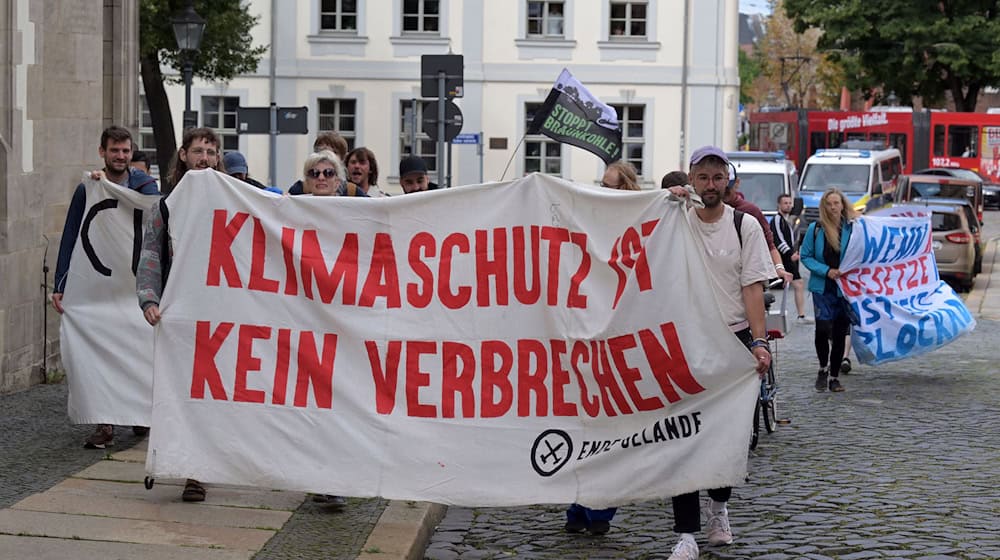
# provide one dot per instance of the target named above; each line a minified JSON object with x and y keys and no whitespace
{"x":822,"y":247}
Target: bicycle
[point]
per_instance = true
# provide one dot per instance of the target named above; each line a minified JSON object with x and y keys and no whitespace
{"x":766,"y":410}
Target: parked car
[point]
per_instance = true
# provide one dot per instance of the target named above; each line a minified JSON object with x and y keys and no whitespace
{"x":953,"y":240}
{"x":991,"y":191}
{"x":942,"y":186}
{"x":933,"y":187}
{"x":764,"y":176}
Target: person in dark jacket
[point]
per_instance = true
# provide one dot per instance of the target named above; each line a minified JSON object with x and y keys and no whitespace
{"x":785,"y":240}
{"x":325,"y":141}
{"x":236,"y":166}
{"x":413,"y":175}
{"x":116,"y":151}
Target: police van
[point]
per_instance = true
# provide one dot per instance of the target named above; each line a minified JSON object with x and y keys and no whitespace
{"x":865,"y":172}
{"x":764,"y":176}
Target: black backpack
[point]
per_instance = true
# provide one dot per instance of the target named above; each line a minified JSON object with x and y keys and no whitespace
{"x":738,"y":222}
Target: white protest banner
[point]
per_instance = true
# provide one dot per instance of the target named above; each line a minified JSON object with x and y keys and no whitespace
{"x":107,"y":346}
{"x":525,"y":342}
{"x":891,"y":280}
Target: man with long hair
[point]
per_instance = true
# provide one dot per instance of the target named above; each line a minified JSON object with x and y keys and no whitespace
{"x":199,"y":150}
{"x":362,"y":170}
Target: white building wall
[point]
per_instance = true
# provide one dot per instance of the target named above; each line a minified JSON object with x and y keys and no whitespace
{"x":379,"y":67}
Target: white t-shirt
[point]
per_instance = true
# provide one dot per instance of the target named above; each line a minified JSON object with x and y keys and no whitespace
{"x":375,"y":192}
{"x":731,"y":267}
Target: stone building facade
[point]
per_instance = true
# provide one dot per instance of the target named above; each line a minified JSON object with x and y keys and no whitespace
{"x":67,"y":70}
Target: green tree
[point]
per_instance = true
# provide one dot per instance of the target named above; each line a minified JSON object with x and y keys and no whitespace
{"x":226,"y":51}
{"x":749,"y":70}
{"x":792,"y":67}
{"x":925,"y":48}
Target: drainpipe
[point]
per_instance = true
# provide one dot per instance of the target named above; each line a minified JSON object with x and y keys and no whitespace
{"x":272,"y":174}
{"x":684,"y":89}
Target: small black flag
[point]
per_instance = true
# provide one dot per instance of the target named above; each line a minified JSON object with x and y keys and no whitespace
{"x":572,"y":115}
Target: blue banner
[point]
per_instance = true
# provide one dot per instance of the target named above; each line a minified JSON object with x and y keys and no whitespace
{"x":901,"y":306}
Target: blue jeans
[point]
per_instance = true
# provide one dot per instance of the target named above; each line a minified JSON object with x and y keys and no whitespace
{"x":576,"y":512}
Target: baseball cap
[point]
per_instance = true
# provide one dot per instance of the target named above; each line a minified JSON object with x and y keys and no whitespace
{"x":234,"y":162}
{"x":411,"y":164}
{"x":706,"y":151}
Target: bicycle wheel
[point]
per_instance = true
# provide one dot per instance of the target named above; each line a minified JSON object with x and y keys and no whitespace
{"x":755,"y":431}
{"x":770,"y":409}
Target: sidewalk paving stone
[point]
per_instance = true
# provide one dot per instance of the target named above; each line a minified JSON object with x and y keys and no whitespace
{"x":93,"y":528}
{"x":33,"y":548}
{"x":83,"y":500}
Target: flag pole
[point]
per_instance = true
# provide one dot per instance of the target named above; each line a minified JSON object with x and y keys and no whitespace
{"x":512,"y":156}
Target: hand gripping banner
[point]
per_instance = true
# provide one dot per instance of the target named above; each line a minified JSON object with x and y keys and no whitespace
{"x":526,"y":342}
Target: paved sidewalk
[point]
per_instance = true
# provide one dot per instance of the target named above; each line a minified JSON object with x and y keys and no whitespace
{"x":58,"y":501}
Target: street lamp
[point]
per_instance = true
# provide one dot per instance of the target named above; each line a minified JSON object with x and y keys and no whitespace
{"x":892,"y":99}
{"x":188,"y":29}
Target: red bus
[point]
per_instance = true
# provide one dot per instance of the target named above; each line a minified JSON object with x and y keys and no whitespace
{"x":924,"y":138}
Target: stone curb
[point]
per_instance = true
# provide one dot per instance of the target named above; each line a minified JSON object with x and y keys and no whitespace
{"x":981,"y":301}
{"x":403,"y":531}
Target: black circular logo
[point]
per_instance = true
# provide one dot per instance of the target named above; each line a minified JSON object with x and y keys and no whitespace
{"x":551,"y":451}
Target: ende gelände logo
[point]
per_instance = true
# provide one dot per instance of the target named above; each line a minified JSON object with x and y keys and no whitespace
{"x":551,"y":451}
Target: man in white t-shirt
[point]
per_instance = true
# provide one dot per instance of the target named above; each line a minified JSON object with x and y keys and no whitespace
{"x":740,"y":265}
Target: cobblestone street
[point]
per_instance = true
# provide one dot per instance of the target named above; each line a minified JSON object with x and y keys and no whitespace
{"x":904,"y":464}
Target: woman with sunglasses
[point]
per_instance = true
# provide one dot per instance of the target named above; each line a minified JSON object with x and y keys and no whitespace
{"x":324,"y":175}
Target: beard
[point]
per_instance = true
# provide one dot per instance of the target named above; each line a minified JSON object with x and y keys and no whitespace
{"x":711,"y":199}
{"x":115,"y":166}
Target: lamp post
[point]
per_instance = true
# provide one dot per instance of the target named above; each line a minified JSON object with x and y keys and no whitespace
{"x":892,"y":99}
{"x":188,"y":29}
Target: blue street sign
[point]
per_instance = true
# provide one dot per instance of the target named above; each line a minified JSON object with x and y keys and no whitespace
{"x":468,"y":138}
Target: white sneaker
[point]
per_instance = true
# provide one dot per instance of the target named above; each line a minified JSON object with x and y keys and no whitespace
{"x":803,"y":320}
{"x":719,"y":531}
{"x":685,"y":549}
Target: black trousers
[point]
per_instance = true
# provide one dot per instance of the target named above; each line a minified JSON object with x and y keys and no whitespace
{"x":687,"y":507}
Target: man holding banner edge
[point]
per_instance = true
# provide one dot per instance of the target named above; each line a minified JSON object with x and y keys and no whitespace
{"x":116,"y":151}
{"x":738,"y":260}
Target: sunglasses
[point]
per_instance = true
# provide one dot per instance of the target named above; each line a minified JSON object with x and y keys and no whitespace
{"x":315,"y":173}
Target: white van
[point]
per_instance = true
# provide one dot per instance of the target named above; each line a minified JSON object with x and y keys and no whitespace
{"x":764,"y":176}
{"x":866,"y":176}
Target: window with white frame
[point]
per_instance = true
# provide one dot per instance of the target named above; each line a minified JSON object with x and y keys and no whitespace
{"x":146,"y":140}
{"x":219,"y":114}
{"x":545,"y":19}
{"x":338,"y":15}
{"x":631,"y":118}
{"x":340,"y":116}
{"x":628,"y":20}
{"x":541,"y":153}
{"x":424,"y":146}
{"x":421,"y":16}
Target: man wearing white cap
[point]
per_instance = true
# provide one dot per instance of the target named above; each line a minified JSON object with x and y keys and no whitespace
{"x":739,"y":265}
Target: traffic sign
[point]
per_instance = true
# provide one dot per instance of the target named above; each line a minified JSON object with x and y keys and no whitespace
{"x":257,"y":120}
{"x":292,"y":120}
{"x":468,"y":138}
{"x":452,"y":120}
{"x":432,"y":66}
